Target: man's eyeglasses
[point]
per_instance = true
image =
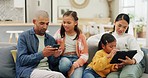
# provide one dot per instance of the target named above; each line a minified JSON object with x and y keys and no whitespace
{"x":42,"y":23}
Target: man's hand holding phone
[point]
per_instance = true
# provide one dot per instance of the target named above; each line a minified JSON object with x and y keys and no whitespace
{"x":48,"y":51}
{"x":54,"y":50}
{"x":58,"y":50}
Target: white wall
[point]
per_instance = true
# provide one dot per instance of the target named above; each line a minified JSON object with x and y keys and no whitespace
{"x":115,"y":9}
{"x":34,"y":5}
{"x":94,"y":8}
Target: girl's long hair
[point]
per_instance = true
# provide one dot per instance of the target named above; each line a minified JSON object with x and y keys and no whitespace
{"x":76,"y":28}
{"x":105,"y":39}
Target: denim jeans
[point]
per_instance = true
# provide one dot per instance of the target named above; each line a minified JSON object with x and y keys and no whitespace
{"x":66,"y":63}
{"x":90,"y":73}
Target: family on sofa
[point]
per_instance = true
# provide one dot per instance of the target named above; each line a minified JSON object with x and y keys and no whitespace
{"x":36,"y":58}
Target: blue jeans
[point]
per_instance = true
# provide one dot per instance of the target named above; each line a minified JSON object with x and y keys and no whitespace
{"x":90,"y":73}
{"x":66,"y":63}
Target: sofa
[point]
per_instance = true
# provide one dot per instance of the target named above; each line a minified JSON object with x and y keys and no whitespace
{"x":92,"y":49}
{"x":7,"y":64}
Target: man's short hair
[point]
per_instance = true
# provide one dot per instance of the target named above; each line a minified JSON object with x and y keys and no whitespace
{"x":41,"y":13}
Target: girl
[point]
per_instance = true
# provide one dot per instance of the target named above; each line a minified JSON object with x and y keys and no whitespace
{"x":73,"y":45}
{"x":100,"y":65}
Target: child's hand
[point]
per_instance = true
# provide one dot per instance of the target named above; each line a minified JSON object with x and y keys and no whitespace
{"x":112,"y":53}
{"x":70,"y":72}
{"x":118,"y":66}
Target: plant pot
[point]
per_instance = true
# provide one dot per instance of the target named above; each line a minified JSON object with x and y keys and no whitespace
{"x":141,"y":34}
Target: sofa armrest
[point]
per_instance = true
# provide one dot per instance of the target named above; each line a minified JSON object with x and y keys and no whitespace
{"x":91,"y":51}
{"x":7,"y":63}
{"x":92,"y":47}
{"x":145,"y":59}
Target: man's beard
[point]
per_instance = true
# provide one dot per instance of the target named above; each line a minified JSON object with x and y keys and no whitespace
{"x":42,"y":32}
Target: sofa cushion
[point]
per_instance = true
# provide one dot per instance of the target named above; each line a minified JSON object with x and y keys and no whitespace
{"x":7,"y":64}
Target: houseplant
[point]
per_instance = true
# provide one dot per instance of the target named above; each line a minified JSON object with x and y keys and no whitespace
{"x":140,"y":30}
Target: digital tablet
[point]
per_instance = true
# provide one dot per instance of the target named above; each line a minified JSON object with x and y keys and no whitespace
{"x":122,"y":55}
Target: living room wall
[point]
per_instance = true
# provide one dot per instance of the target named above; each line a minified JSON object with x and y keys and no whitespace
{"x":94,"y":9}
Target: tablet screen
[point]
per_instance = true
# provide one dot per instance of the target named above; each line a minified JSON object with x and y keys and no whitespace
{"x":122,"y":55}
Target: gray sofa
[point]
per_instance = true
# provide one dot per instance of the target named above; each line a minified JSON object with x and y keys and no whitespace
{"x":7,"y":64}
{"x":92,"y":47}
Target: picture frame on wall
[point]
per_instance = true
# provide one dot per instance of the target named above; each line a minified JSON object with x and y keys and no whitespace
{"x":62,"y":10}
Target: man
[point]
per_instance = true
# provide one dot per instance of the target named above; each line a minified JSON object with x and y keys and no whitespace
{"x":35,"y":53}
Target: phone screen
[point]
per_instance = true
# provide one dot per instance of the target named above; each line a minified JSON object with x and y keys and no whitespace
{"x":56,"y":46}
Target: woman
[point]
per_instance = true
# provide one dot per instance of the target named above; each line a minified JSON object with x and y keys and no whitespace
{"x":73,"y":45}
{"x":132,"y":67}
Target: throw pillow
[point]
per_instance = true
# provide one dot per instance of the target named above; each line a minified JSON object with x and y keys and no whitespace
{"x":13,"y":52}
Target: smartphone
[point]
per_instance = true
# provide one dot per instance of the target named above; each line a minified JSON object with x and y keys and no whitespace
{"x":56,"y":46}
